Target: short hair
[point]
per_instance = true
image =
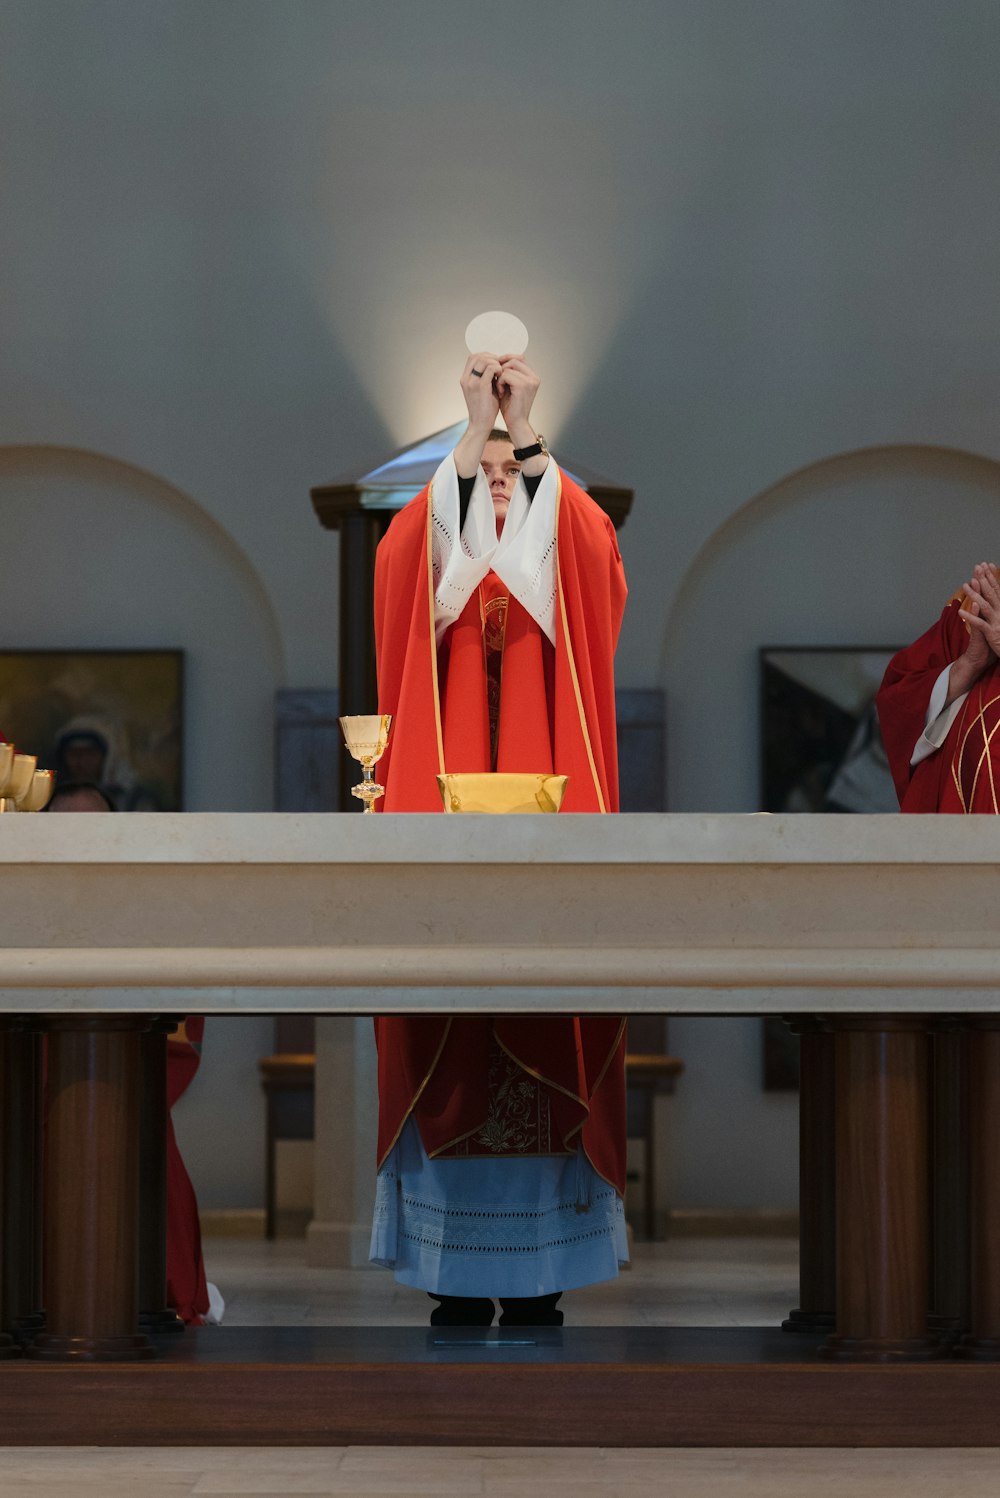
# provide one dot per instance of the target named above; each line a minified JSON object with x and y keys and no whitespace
{"x":499,"y":435}
{"x":77,"y":787}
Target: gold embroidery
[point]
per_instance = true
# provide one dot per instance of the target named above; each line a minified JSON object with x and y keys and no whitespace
{"x":956,"y":759}
{"x":571,"y":658}
{"x":979,"y":722}
{"x":433,"y":624}
{"x":518,"y":1116}
{"x":416,"y":1096}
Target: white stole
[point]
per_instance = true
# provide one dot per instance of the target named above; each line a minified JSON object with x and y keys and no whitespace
{"x":524,"y":558}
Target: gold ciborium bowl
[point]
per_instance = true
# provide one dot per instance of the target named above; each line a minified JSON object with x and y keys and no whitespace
{"x":502,"y":793}
{"x":19,"y":778}
{"x":7,"y":752}
{"x":39,"y":792}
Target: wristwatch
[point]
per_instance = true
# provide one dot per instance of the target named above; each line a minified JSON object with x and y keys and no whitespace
{"x":537,"y":447}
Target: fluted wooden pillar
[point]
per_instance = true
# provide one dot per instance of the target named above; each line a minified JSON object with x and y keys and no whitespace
{"x":883,"y":1219}
{"x":983,"y":1340}
{"x":21,"y":1212}
{"x":817,"y":1180}
{"x":9,"y":1347}
{"x":155,"y":1315}
{"x":950,"y":1205}
{"x":91,"y":1191}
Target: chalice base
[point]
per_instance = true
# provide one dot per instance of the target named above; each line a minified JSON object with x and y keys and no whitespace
{"x":369,"y":793}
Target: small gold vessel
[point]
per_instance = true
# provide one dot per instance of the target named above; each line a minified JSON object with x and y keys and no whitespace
{"x":502,"y":793}
{"x":366,"y":736}
{"x":18,"y":781}
{"x":39,"y":792}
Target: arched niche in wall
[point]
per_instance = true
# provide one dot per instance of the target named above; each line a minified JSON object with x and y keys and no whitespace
{"x":864,"y":548}
{"x":98,"y":554}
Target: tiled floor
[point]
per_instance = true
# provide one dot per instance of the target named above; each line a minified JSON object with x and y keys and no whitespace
{"x":377,"y":1472}
{"x":686,"y":1282}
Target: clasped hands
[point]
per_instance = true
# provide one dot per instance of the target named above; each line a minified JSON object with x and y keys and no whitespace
{"x":503,"y":383}
{"x":982,"y":615}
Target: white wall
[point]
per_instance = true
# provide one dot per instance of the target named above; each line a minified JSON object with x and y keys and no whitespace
{"x":239,"y":242}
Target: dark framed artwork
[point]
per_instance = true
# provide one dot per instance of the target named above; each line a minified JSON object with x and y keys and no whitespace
{"x":112,"y":717}
{"x":821,"y":751}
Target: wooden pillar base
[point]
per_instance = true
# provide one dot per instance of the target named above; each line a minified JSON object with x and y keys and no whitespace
{"x":838,"y":1349}
{"x":91,"y":1349}
{"x":811,"y":1323}
{"x":978,"y":1349}
{"x":157,"y":1322}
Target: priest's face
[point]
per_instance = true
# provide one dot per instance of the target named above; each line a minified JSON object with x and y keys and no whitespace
{"x":501,"y":474}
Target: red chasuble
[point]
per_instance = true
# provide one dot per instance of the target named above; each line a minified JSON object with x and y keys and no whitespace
{"x":964,"y":774}
{"x":566,"y":1074}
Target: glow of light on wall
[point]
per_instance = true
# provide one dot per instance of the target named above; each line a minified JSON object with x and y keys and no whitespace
{"x":410,"y":355}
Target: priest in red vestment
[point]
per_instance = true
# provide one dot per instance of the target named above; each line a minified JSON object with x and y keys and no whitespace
{"x":499,"y":594}
{"x":939,"y":706}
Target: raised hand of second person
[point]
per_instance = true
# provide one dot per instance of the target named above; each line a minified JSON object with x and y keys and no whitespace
{"x":982,"y":615}
{"x":480,"y":379}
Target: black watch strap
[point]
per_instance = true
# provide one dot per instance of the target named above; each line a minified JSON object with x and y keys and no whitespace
{"x":537,"y":447}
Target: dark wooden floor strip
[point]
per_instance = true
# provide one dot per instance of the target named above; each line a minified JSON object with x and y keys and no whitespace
{"x":591,"y":1386}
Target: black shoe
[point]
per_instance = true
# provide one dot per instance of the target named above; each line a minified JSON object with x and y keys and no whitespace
{"x":462,"y":1310}
{"x":531,"y":1310}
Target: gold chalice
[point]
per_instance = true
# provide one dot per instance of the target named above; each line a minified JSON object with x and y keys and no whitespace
{"x":366,"y":736}
{"x":502,"y":793}
{"x":18,"y":782}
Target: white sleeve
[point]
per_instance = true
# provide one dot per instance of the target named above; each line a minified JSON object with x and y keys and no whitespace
{"x":458,"y":562}
{"x":939,"y":719}
{"x":526,"y":557}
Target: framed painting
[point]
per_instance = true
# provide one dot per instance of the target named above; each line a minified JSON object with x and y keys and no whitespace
{"x":112,"y":718}
{"x":821,"y":751}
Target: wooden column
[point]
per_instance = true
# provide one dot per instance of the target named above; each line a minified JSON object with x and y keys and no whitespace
{"x":817,"y":1180}
{"x":360,"y":533}
{"x":91,"y":1191}
{"x":20,"y":1215}
{"x":155,"y":1315}
{"x":950,"y":1206}
{"x":883,"y":1220}
{"x":983,"y":1340}
{"x":9,"y":1348}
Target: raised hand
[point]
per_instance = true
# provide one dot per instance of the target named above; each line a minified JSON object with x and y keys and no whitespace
{"x":982,"y":615}
{"x":480,"y":379}
{"x":517,"y":386}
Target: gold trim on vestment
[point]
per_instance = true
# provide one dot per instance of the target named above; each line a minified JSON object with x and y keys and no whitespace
{"x":987,"y":740}
{"x":571,"y":658}
{"x":417,"y":1095}
{"x":433,"y":621}
{"x":433,"y":1154}
{"x":601,"y":1075}
{"x":545,"y":1081}
{"x":956,"y":758}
